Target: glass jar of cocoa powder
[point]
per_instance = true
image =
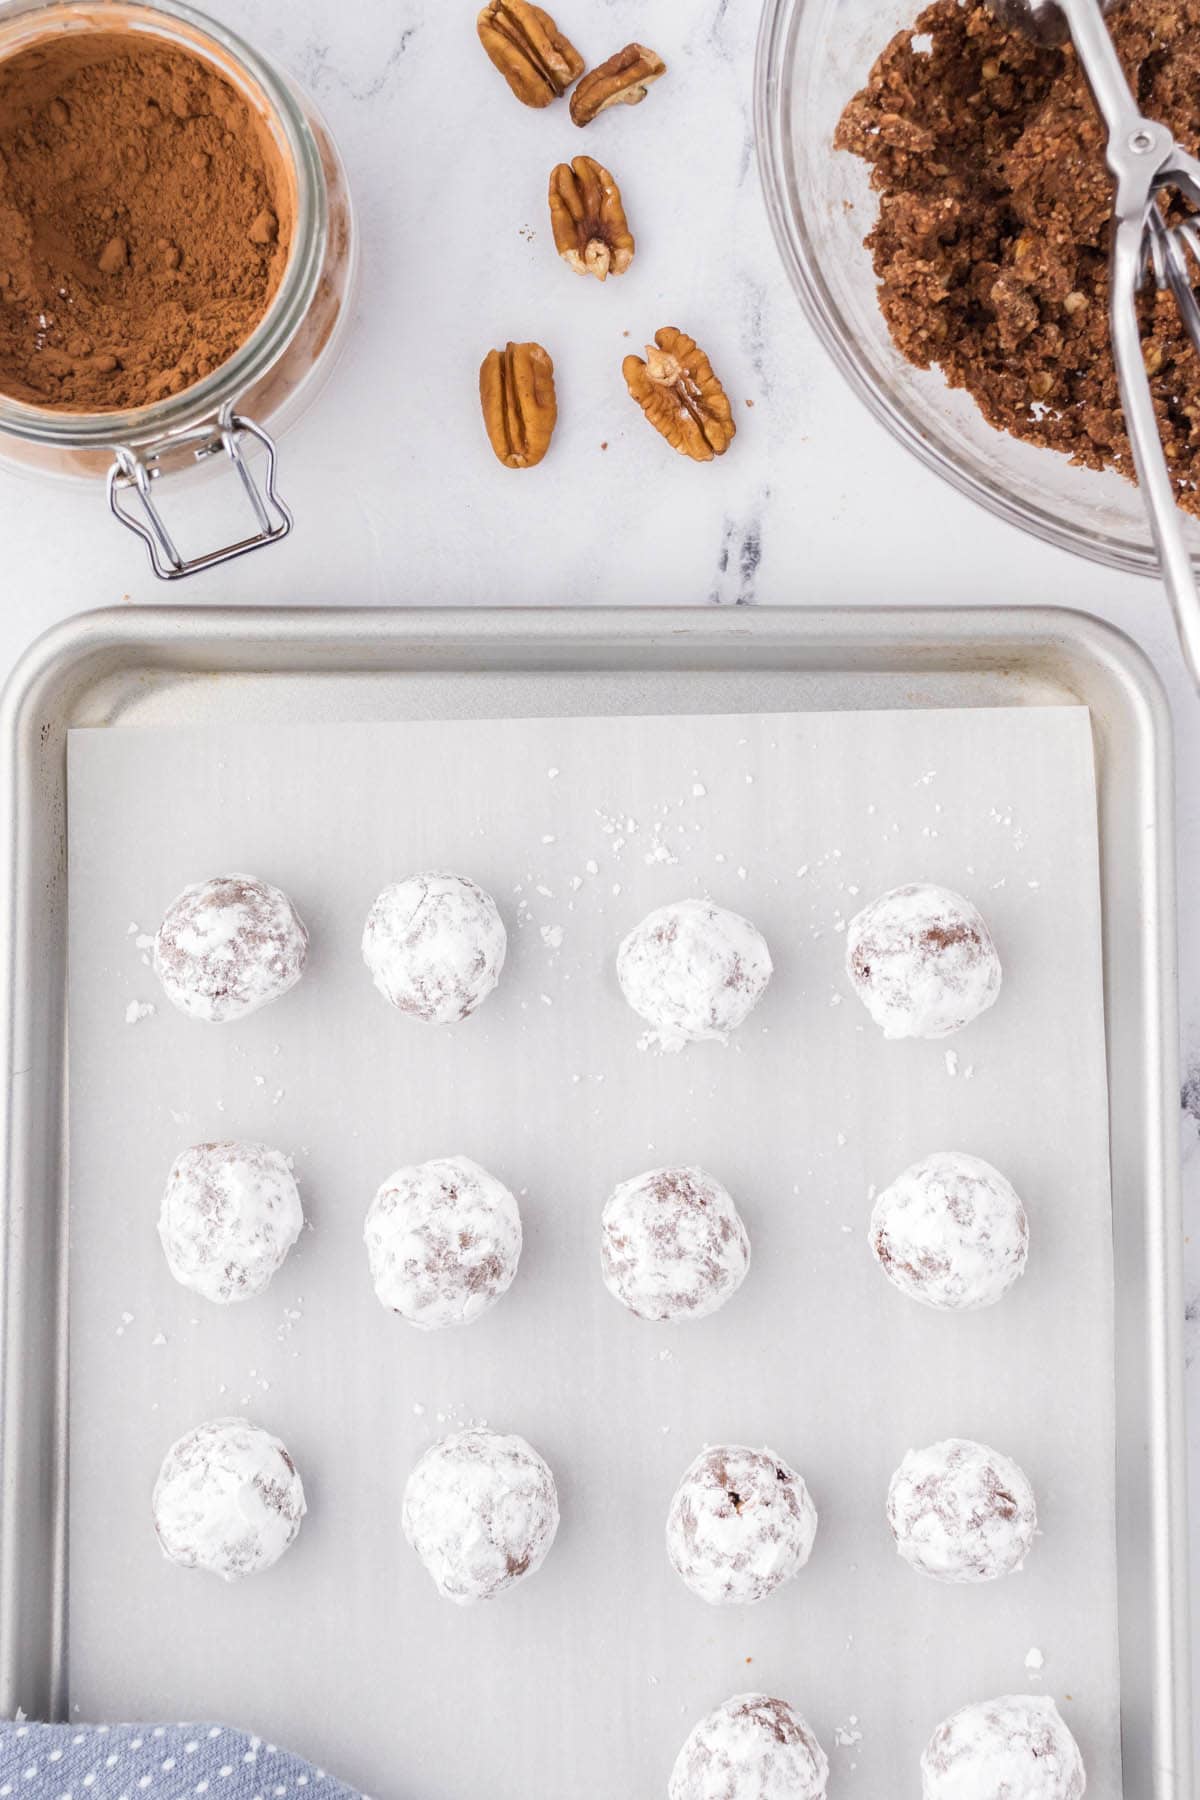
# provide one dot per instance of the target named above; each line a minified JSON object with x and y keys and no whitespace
{"x":177,"y":257}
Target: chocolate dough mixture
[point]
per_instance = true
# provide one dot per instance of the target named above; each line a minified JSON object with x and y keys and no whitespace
{"x":145,"y":217}
{"x":992,"y":241}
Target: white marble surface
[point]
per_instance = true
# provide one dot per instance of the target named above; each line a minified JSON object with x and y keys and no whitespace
{"x":397,"y":497}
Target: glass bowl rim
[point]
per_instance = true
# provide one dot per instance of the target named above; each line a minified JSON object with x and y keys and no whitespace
{"x":772,"y":121}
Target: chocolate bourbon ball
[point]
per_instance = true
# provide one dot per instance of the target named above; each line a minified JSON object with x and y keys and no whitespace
{"x":1014,"y":1748}
{"x":951,"y":1232}
{"x":228,"y":946}
{"x":435,"y":946}
{"x":752,"y":1748}
{"x":673,"y":1245}
{"x":693,"y":971}
{"x":481,"y":1511}
{"x":227,"y":1499}
{"x":443,"y":1242}
{"x":230,"y":1214}
{"x":740,"y":1525}
{"x":922,"y":962}
{"x":961,"y":1512}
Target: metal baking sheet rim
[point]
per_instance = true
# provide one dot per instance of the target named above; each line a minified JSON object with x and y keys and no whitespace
{"x":87,"y":671}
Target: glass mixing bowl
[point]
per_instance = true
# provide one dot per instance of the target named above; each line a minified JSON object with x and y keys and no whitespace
{"x":813,"y":55}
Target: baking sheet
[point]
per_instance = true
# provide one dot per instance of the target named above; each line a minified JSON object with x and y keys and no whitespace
{"x":597,"y":1668}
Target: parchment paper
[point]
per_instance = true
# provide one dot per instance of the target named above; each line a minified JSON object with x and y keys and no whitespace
{"x":585,"y":1679}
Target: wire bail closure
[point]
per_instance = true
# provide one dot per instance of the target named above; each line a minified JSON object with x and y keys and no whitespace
{"x":133,"y":475}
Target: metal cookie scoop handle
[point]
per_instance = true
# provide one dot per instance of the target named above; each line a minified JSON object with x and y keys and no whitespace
{"x":1143,"y":157}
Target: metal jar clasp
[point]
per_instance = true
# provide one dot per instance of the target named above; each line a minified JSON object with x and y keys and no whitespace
{"x":131,"y":496}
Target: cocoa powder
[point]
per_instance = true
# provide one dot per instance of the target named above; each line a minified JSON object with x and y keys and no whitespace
{"x":145,"y":221}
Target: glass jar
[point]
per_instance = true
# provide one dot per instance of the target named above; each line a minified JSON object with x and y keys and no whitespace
{"x":274,"y":376}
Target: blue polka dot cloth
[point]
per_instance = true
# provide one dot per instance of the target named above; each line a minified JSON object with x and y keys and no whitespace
{"x":154,"y":1762}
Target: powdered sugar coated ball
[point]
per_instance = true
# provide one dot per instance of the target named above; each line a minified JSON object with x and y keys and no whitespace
{"x":673,"y":1245}
{"x":443,"y":1242}
{"x":228,"y":946}
{"x":230,"y":1214}
{"x":481,"y":1511}
{"x":961,"y":1512}
{"x":435,"y":946}
{"x":752,"y":1748}
{"x":951,"y":1232}
{"x":227,"y":1499}
{"x":693,"y":971}
{"x":740,"y":1525}
{"x":922,"y":962}
{"x":1015,"y":1746}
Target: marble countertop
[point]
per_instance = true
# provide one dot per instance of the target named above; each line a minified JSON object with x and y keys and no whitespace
{"x":397,"y":497}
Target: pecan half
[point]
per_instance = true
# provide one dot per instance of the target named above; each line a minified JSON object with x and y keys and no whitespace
{"x":679,"y":394}
{"x":516,"y":391}
{"x":591,"y":233}
{"x":621,"y":81}
{"x":537,"y":61}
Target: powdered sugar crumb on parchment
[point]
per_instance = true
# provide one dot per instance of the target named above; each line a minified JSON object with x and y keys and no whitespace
{"x":292,"y":1316}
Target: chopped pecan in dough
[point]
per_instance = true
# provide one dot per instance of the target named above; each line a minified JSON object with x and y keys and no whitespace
{"x":679,"y":394}
{"x":621,"y":81}
{"x":591,"y":233}
{"x":990,"y":248}
{"x":537,"y":61}
{"x":516,"y":391}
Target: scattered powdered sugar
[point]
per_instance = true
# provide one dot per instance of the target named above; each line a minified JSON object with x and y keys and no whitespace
{"x":292,"y":1316}
{"x":1035,"y":1662}
{"x":848,"y":1735}
{"x":137,"y":1010}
